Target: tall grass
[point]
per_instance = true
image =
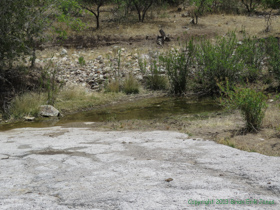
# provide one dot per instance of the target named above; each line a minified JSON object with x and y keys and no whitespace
{"x":130,"y":85}
{"x":113,"y":86}
{"x":26,"y":104}
{"x":72,"y":98}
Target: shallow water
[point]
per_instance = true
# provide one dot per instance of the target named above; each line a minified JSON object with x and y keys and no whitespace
{"x":151,"y":108}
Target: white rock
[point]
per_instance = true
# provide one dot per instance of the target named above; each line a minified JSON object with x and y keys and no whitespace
{"x":139,"y":77}
{"x":63,"y":52}
{"x":48,"y":111}
{"x":27,"y":118}
{"x":240,"y":43}
{"x":64,"y":59}
{"x":99,"y":57}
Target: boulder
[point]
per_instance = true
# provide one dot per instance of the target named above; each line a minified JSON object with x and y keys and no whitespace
{"x":48,"y":111}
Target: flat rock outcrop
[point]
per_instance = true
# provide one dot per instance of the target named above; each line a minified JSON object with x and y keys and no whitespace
{"x":79,"y":168}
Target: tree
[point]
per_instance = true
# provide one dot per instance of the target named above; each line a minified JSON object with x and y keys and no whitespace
{"x":93,"y":6}
{"x":23,"y":24}
{"x":251,"y":4}
{"x":124,"y":5}
{"x":274,"y":4}
{"x":269,"y":4}
{"x":142,"y":7}
{"x":200,"y":7}
{"x":21,"y":27}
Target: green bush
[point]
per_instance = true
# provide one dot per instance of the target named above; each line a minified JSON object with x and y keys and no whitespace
{"x":130,"y":85}
{"x":251,"y":103}
{"x":252,"y":52}
{"x":82,"y":61}
{"x":156,"y":81}
{"x":273,"y":51}
{"x":178,"y":66}
{"x":217,"y":61}
{"x":71,"y":7}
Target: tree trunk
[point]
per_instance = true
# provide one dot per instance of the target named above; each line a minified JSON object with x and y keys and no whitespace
{"x":146,"y":9}
{"x":97,"y":22}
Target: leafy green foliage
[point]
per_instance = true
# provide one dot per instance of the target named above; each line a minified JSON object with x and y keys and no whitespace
{"x":250,"y":5}
{"x":202,"y":6}
{"x":21,"y":27}
{"x":216,"y":62}
{"x":70,"y":7}
{"x":64,"y":15}
{"x":82,"y":61}
{"x":274,"y":4}
{"x":178,"y":65}
{"x":273,"y":51}
{"x":251,"y":103}
{"x":252,"y":53}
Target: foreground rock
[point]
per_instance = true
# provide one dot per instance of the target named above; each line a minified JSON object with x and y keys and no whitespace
{"x":77,"y":168}
{"x":48,"y":111}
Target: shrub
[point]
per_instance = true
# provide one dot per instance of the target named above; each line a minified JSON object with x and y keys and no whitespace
{"x":251,"y":103}
{"x":217,"y":62}
{"x":273,"y":51}
{"x":177,"y":65}
{"x":130,"y":85}
{"x":155,"y":80}
{"x":252,"y":52}
{"x":71,"y":7}
{"x":82,"y":61}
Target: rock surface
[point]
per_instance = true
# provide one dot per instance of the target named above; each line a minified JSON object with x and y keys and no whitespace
{"x":48,"y":111}
{"x":28,"y":118}
{"x":78,"y":168}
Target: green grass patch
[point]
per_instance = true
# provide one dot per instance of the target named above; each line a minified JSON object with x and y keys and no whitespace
{"x":26,"y":104}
